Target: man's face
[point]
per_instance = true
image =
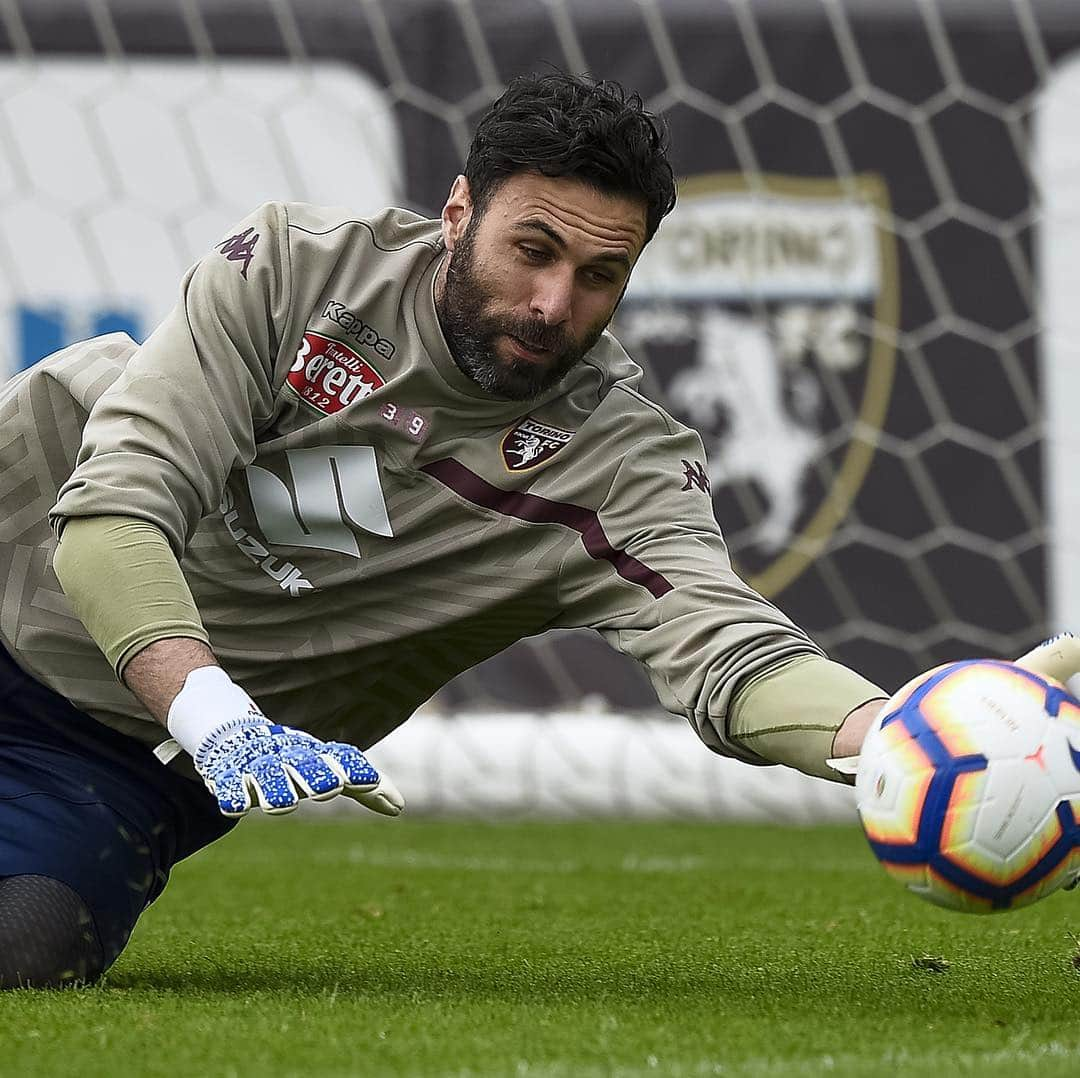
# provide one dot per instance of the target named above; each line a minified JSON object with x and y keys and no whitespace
{"x":532,"y":282}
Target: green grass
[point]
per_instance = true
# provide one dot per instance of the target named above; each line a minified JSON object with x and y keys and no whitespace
{"x":354,"y":947}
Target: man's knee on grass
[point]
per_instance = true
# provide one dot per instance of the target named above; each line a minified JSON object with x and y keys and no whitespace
{"x":47,"y":935}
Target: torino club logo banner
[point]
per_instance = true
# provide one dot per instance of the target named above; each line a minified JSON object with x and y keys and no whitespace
{"x":766,"y":317}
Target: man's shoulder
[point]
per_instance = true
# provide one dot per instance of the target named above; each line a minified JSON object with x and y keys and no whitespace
{"x":609,"y":385}
{"x":390,"y":230}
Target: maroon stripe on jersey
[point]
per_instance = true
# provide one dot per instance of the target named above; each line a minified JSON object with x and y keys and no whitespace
{"x":537,"y":510}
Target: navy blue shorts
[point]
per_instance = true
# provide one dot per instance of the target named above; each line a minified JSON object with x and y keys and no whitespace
{"x":92,"y":807}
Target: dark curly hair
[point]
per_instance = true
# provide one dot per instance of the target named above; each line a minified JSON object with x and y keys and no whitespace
{"x":570,"y":125}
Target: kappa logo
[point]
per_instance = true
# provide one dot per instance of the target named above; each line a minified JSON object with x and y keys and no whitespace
{"x":694,"y":474}
{"x":530,"y":443}
{"x":335,"y":492}
{"x":330,"y":376}
{"x":240,"y":248}
{"x":356,"y":327}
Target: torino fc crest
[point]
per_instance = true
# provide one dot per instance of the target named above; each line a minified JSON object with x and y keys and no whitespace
{"x":766,"y":315}
{"x":531,"y":443}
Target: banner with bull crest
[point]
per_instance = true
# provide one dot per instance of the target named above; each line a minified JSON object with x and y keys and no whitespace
{"x":766,"y":316}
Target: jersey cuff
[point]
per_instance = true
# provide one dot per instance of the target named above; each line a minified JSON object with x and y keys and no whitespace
{"x":790,"y":714}
{"x":125,"y":585}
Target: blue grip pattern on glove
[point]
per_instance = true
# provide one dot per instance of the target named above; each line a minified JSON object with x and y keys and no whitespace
{"x":253,"y":761}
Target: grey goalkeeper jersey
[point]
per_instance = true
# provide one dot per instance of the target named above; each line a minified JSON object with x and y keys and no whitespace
{"x":357,"y":520}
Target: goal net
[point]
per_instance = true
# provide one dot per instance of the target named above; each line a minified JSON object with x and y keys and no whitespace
{"x":844,"y":302}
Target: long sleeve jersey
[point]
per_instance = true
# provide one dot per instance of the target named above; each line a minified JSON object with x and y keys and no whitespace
{"x":358,"y":521}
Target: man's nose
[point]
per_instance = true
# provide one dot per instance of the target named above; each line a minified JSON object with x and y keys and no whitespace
{"x":552,"y":299}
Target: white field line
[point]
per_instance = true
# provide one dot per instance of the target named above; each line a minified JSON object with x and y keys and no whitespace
{"x":406,"y":858}
{"x":420,"y":859}
{"x":900,"y":1061}
{"x":630,"y":864}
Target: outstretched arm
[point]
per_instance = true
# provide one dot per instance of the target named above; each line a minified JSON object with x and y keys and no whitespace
{"x":753,"y":684}
{"x":157,"y":450}
{"x":804,"y":713}
{"x":127,"y":587}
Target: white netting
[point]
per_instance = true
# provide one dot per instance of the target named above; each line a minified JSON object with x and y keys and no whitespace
{"x":844,"y":302}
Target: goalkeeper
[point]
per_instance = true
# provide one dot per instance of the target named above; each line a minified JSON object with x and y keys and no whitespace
{"x":358,"y":457}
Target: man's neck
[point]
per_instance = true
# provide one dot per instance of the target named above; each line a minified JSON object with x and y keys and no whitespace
{"x":440,"y":281}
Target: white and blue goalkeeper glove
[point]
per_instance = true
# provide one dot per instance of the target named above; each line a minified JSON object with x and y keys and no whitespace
{"x":248,"y":762}
{"x":1058,"y":657}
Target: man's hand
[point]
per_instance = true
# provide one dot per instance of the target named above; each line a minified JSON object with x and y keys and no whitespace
{"x":248,"y":762}
{"x":1058,"y":658}
{"x":852,"y":732}
{"x":253,"y":763}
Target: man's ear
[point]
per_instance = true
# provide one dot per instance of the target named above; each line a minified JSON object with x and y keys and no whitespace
{"x":457,"y":212}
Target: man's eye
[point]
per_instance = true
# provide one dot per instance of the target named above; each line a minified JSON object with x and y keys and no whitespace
{"x":534,"y":254}
{"x":599,"y":277}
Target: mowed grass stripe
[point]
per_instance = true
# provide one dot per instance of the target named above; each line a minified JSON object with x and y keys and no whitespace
{"x":355,"y":946}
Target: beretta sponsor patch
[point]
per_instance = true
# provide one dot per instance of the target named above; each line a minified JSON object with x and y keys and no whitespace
{"x":531,"y":443}
{"x":330,"y":376}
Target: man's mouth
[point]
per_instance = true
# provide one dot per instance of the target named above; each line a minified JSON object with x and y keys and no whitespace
{"x":527,"y":349}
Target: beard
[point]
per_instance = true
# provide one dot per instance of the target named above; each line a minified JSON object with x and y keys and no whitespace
{"x":471,"y":326}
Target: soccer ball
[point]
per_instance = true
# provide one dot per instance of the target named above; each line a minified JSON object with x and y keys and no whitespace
{"x":968,"y":786}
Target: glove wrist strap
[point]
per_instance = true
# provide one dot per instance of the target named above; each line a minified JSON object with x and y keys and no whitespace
{"x":209,"y":700}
